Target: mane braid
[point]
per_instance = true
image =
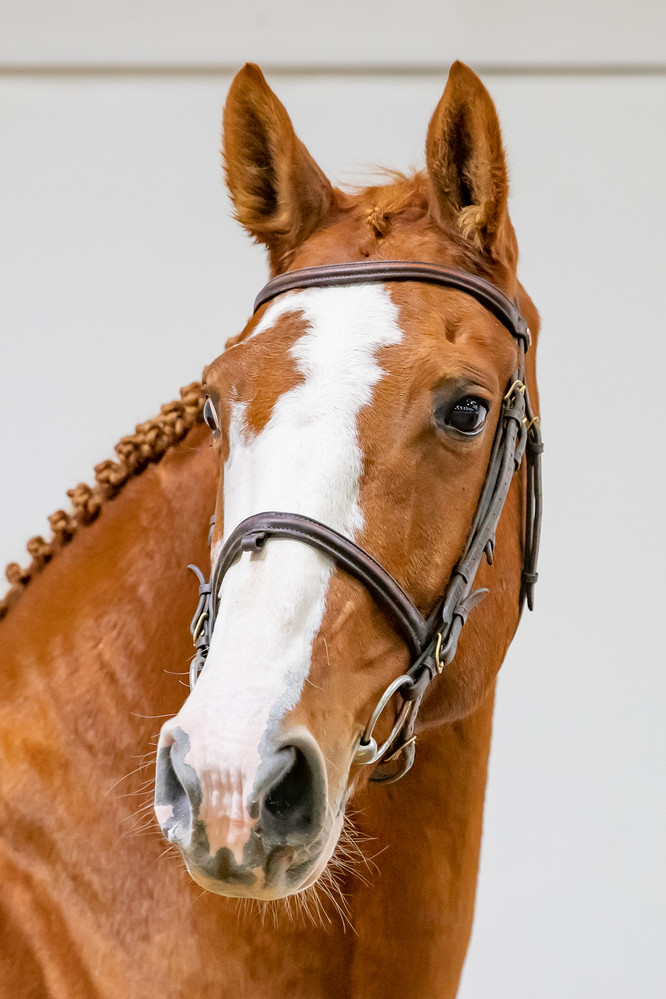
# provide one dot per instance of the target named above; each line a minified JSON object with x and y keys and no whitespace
{"x":148,"y":444}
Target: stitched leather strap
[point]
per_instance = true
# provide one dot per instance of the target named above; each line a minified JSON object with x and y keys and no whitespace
{"x":380,"y":271}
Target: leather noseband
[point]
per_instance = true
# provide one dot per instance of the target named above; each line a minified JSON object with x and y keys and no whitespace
{"x":433,"y":640}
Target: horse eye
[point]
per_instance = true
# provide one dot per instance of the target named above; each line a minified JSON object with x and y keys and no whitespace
{"x":210,"y":416}
{"x":468,"y":416}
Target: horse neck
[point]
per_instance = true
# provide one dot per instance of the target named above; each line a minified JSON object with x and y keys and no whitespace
{"x":86,"y":646}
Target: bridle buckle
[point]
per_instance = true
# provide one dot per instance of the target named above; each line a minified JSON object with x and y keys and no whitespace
{"x":438,"y":662}
{"x":199,"y":626}
{"x":517,"y":388}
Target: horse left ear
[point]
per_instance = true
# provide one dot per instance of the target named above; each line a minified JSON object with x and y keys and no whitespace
{"x":279,"y":193}
{"x":466,"y":162}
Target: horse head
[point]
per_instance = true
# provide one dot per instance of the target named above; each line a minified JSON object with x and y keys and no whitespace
{"x":370,"y":407}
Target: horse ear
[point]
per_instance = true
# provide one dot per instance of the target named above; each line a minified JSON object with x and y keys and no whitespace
{"x":279,"y":193}
{"x":466,"y":161}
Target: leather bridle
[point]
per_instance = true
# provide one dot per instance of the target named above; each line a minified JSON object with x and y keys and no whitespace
{"x":432,"y":640}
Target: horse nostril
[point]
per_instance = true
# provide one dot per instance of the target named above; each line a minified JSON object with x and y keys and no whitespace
{"x":291,"y":791}
{"x":293,"y":804}
{"x":177,"y":789}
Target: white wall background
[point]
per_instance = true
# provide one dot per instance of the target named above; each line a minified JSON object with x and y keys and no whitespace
{"x":121,"y":274}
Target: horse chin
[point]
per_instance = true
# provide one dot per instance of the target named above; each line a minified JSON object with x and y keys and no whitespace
{"x":285,"y":872}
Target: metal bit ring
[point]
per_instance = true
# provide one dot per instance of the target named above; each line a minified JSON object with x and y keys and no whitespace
{"x":367,"y":750}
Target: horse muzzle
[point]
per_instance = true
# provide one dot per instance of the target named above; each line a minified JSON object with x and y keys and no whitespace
{"x":259,"y":834}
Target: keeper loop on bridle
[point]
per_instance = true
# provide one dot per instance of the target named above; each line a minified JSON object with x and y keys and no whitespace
{"x":434,"y":640}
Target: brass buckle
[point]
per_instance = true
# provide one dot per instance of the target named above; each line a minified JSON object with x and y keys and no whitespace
{"x":438,"y":662}
{"x":518,"y":387}
{"x":199,"y":626}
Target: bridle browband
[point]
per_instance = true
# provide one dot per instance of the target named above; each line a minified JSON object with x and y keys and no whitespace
{"x":432,"y":640}
{"x":382,"y":271}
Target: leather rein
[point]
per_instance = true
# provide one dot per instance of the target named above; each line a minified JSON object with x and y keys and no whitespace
{"x":432,"y":640}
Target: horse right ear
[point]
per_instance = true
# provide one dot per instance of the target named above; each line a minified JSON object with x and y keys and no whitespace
{"x":279,"y":193}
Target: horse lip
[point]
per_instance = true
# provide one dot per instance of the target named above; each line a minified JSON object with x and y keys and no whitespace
{"x":282,"y":871}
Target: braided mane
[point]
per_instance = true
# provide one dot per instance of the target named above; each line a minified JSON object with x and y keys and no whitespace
{"x":148,"y":444}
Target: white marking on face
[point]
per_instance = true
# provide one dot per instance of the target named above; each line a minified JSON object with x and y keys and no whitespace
{"x":308,"y":460}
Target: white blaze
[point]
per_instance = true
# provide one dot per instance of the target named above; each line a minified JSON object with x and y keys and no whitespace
{"x":308,"y":460}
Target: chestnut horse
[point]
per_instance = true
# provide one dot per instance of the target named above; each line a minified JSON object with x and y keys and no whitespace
{"x":373,"y":409}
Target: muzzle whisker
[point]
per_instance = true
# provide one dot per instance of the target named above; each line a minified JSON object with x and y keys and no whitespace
{"x":136,"y":714}
{"x":329,"y":885}
{"x":142,"y":766}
